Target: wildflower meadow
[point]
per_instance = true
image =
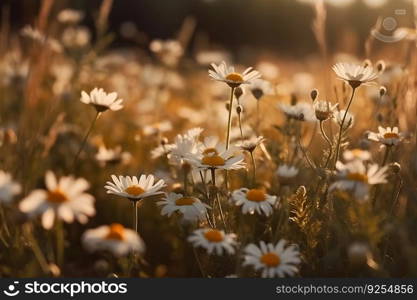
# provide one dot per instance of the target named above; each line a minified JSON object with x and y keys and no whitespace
{"x":128,"y":154}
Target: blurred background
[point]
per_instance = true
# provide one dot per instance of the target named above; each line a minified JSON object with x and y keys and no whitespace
{"x":269,"y":25}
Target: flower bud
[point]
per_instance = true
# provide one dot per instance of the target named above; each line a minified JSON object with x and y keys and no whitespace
{"x":314,"y":94}
{"x":382,"y":91}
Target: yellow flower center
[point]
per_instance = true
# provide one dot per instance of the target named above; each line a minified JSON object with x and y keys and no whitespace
{"x":358,"y":177}
{"x":210,"y":151}
{"x":57,"y":197}
{"x":256,"y":195}
{"x":184,"y":201}
{"x":391,"y":135}
{"x":134,"y":190}
{"x":236,"y":77}
{"x":357,"y":152}
{"x":116,"y":232}
{"x":213,"y":161}
{"x":270,"y":259}
{"x":213,"y":236}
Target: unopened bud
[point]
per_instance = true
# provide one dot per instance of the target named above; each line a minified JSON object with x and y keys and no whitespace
{"x":238,"y":92}
{"x":239,"y":109}
{"x":395,"y":167}
{"x":379,"y":117}
{"x":382,"y":91}
{"x":164,"y":141}
{"x":380,"y":66}
{"x":314,"y":94}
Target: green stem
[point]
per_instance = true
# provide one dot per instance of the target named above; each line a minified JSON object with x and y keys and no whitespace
{"x":86,"y":138}
{"x":60,"y":242}
{"x":328,"y":142}
{"x":229,"y":122}
{"x":40,"y":257}
{"x":339,"y":138}
{"x":216,"y":198}
{"x":253,"y":168}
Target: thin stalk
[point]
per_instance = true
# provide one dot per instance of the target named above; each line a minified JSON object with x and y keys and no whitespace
{"x":40,"y":257}
{"x":339,"y":138}
{"x":253,"y":168}
{"x":4,"y":221}
{"x":229,"y":122}
{"x":60,"y":242}
{"x":323,"y":133}
{"x":86,"y":138}
{"x":309,"y":162}
{"x":240,"y":126}
{"x":200,"y":266}
{"x":258,"y":122}
{"x":135,"y":216}
{"x":213,"y":177}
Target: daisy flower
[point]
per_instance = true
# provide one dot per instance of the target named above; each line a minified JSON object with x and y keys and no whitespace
{"x":324,"y":110}
{"x":253,"y":200}
{"x":114,"y":238}
{"x":338,"y":118}
{"x":302,"y":111}
{"x":251,"y":143}
{"x":133,"y":188}
{"x":217,"y":158}
{"x":101,"y":100}
{"x":64,"y":198}
{"x":70,"y":16}
{"x":356,"y":154}
{"x":286,"y":173}
{"x":273,"y":260}
{"x":8,"y":188}
{"x":107,"y":156}
{"x":213,"y":240}
{"x":259,"y":88}
{"x":191,"y":208}
{"x":386,"y":136}
{"x":228,"y":75}
{"x":356,"y":177}
{"x":354,"y":74}
{"x":184,"y":145}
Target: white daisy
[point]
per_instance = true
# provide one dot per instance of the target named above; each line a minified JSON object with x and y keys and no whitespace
{"x":260,"y":88}
{"x":133,"y":188}
{"x":286,"y":173}
{"x":338,"y":118}
{"x":157,"y":128}
{"x":302,"y":111}
{"x":213,"y":240}
{"x":356,"y":177}
{"x":70,"y":16}
{"x":107,"y":156}
{"x":274,"y":261}
{"x":324,"y":110}
{"x":356,"y":154}
{"x":8,"y":188}
{"x":228,"y":75}
{"x":217,"y":158}
{"x":253,"y":200}
{"x":354,"y":74}
{"x":64,"y":198}
{"x":169,"y":51}
{"x":251,"y":143}
{"x":101,"y":100}
{"x":191,"y":208}
{"x":184,"y":145}
{"x":114,"y":238}
{"x":386,"y":136}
